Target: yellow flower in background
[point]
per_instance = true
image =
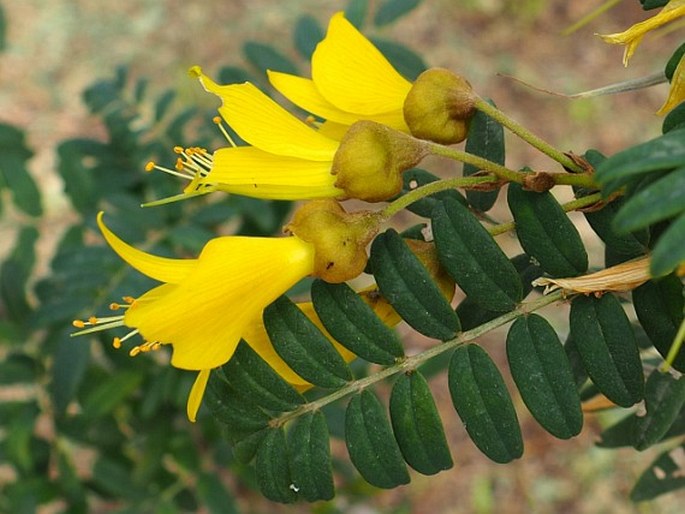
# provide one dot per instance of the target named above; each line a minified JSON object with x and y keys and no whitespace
{"x":676,"y":94}
{"x":204,"y":305}
{"x":632,"y":37}
{"x":351,"y":81}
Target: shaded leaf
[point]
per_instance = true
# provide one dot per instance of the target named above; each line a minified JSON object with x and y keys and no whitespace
{"x":310,"y":460}
{"x":390,"y":10}
{"x":13,"y":170}
{"x":371,"y":445}
{"x":265,"y":57}
{"x":664,"y":399}
{"x":662,"y":476}
{"x":669,"y":251}
{"x":273,"y":471}
{"x":307,"y":34}
{"x":483,"y":404}
{"x":407,"y":62}
{"x":417,"y":177}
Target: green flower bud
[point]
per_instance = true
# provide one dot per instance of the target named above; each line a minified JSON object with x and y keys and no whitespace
{"x":439,"y":106}
{"x":371,"y":158}
{"x":339,"y":238}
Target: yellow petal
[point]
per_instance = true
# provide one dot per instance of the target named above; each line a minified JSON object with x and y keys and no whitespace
{"x":196,"y":394}
{"x":333,"y":130}
{"x":263,"y":123}
{"x":633,"y":35}
{"x":303,"y":93}
{"x":677,"y":92}
{"x":204,"y":317}
{"x":158,"y":268}
{"x":353,"y":75}
{"x":249,"y":171}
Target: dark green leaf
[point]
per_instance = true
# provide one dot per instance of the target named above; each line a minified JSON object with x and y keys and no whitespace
{"x":659,"y":306}
{"x":353,"y":323}
{"x":417,"y":425}
{"x":652,"y":4}
{"x":473,"y":258}
{"x":70,"y":360}
{"x":673,"y":62}
{"x":371,"y":445}
{"x":662,"y":476}
{"x":273,"y":471}
{"x":622,"y":433}
{"x":605,"y":340}
{"x":241,"y":417}
{"x":579,"y":374}
{"x":265,"y":57}
{"x":675,"y":119}
{"x":249,"y":374}
{"x":546,"y":233}
{"x":669,"y":251}
{"x":14,"y":274}
{"x":543,"y":375}
{"x":631,"y":244}
{"x":13,"y":170}
{"x":163,"y":103}
{"x":356,"y":11}
{"x":3,"y":29}
{"x":310,"y":459}
{"x":308,"y":33}
{"x":390,"y":10}
{"x":471,"y":314}
{"x":485,"y":139}
{"x":234,"y":75}
{"x":409,"y":288}
{"x":417,"y":177}
{"x":17,"y":368}
{"x":664,"y":399}
{"x":663,"y":152}
{"x":660,"y":200}
{"x":303,"y":347}
{"x":408,"y":63}
{"x":111,"y":392}
{"x":484,"y":405}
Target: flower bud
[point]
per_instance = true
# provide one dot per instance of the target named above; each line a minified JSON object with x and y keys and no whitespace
{"x":339,"y":238}
{"x":439,"y":106}
{"x":371,"y":158}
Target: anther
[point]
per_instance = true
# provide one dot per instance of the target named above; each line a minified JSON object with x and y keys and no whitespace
{"x":78,"y":323}
{"x":150,"y":166}
{"x":116,"y":342}
{"x":128,"y":299}
{"x":92,"y":320}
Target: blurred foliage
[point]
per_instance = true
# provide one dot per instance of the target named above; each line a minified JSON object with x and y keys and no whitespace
{"x":119,"y":440}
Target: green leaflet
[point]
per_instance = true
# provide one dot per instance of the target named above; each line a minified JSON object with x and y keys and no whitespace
{"x":417,"y":177}
{"x":410,"y":289}
{"x":14,"y":173}
{"x":303,"y":347}
{"x":265,"y":57}
{"x":307,"y":34}
{"x":353,"y":323}
{"x":273,"y":472}
{"x":256,"y":380}
{"x":111,"y":392}
{"x":483,"y":404}
{"x":662,"y":476}
{"x":485,"y":139}
{"x":370,"y":443}
{"x":390,"y":10}
{"x":660,"y":200}
{"x":310,"y":458}
{"x":608,"y":348}
{"x":407,"y":62}
{"x":659,"y":306}
{"x":473,"y":258}
{"x":669,"y":251}
{"x":543,"y":375}
{"x":630,"y":244}
{"x":623,"y":433}
{"x":417,"y":425}
{"x":664,"y":399}
{"x":674,"y":120}
{"x":546,"y":233}
{"x":471,"y":314}
{"x":663,"y":152}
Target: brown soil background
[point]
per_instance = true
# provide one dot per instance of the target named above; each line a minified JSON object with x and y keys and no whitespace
{"x":58,"y":47}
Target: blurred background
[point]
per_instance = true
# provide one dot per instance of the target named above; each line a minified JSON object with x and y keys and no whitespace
{"x":54,"y":50}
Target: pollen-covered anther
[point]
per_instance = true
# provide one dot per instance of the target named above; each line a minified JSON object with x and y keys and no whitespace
{"x":128,"y":299}
{"x":147,"y":346}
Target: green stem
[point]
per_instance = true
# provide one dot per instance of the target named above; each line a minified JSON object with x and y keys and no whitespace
{"x":429,"y":189}
{"x":675,"y":347}
{"x":412,"y":362}
{"x":526,"y":135}
{"x":481,"y":163}
{"x":585,"y":201}
{"x":584,"y":179}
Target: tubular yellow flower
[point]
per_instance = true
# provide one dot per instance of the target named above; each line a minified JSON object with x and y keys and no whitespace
{"x":677,"y":92}
{"x":205,"y":304}
{"x":351,"y":80}
{"x":632,"y":37}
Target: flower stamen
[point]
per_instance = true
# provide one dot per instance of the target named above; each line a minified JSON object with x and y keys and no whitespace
{"x":218,"y":121}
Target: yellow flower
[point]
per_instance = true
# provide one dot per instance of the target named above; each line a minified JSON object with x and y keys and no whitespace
{"x":256,"y":336}
{"x":204,"y":305}
{"x":351,"y":80}
{"x":632,"y":37}
{"x":287,"y":159}
{"x":677,"y":92}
